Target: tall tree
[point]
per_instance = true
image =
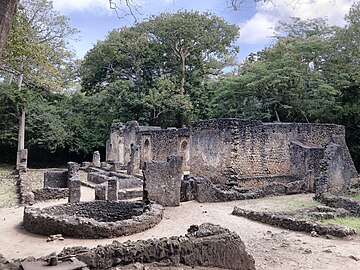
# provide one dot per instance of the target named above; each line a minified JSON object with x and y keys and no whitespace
{"x":7,"y":13}
{"x":37,"y":50}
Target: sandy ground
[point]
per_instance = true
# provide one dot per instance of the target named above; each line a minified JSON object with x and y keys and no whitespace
{"x":272,"y":248}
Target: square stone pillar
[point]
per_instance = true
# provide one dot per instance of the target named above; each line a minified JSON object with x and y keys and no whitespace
{"x":74,"y":190}
{"x":113,"y":187}
{"x":162,"y":181}
{"x":134,"y":163}
{"x":96,"y":159}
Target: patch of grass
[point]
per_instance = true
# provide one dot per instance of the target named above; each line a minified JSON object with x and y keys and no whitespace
{"x":6,"y":168}
{"x":352,"y":222}
{"x":292,"y":204}
{"x":357,"y":196}
{"x":8,"y":194}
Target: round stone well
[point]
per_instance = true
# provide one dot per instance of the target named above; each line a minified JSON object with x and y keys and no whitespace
{"x":95,"y":219}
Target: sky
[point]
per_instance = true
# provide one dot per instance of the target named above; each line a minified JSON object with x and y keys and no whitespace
{"x":95,"y":18}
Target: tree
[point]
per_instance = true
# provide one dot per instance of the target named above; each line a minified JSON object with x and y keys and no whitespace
{"x":194,"y":42}
{"x":37,"y":50}
{"x":290,"y":81}
{"x":7,"y":13}
{"x":181,"y":50}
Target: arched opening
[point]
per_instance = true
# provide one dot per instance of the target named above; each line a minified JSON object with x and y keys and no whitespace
{"x":185,"y":152}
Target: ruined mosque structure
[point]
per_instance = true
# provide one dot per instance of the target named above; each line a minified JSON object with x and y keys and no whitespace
{"x":229,"y":159}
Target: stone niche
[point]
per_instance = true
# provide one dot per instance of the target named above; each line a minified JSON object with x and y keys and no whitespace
{"x":95,"y":219}
{"x":162,"y":181}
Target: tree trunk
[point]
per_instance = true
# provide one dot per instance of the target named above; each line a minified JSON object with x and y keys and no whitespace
{"x":182,"y":81}
{"x":7,"y":13}
{"x":21,"y":132}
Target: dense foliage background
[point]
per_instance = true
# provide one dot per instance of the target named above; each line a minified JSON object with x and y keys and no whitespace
{"x":168,"y":71}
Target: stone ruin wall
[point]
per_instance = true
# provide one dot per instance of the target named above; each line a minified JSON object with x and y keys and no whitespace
{"x":248,"y":152}
{"x":234,"y":149}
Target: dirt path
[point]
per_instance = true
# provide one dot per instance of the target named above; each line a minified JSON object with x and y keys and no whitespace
{"x":272,"y":248}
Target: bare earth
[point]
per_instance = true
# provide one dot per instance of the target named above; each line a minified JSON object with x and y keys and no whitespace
{"x":272,"y":248}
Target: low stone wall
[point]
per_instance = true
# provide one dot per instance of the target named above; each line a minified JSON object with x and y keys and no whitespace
{"x":206,"y":245}
{"x":350,"y":204}
{"x":291,"y":223}
{"x":125,"y":181}
{"x":206,"y":191}
{"x":129,"y":194}
{"x":44,"y":194}
{"x":96,"y":219}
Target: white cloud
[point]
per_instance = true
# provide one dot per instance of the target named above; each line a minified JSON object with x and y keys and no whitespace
{"x":100,"y":6}
{"x":259,"y":27}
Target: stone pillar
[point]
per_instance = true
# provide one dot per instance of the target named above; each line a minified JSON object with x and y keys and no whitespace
{"x":74,"y":190}
{"x":96,"y":159}
{"x":101,"y":192}
{"x":162,"y":181}
{"x":113,"y":187}
{"x":22,"y":156}
{"x":73,"y":170}
{"x":134,"y":163}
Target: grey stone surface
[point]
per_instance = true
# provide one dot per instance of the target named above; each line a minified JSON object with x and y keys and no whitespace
{"x":96,"y":159}
{"x":350,"y":204}
{"x":206,"y":191}
{"x":292,"y":223}
{"x":113,"y":188}
{"x":335,"y":176}
{"x":162,"y":181}
{"x":95,"y":219}
{"x":206,"y":245}
{"x":48,"y":193}
{"x":74,"y":190}
{"x":55,"y":179}
{"x":134,"y":163}
{"x":73,"y":170}
{"x":101,"y":191}
{"x":250,"y":153}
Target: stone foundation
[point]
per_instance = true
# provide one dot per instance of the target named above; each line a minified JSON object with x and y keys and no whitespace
{"x":347,"y":203}
{"x":205,"y":191}
{"x":290,"y":222}
{"x":96,"y":219}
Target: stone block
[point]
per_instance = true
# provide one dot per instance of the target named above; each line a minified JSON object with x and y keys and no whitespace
{"x":55,"y":179}
{"x":113,"y":187}
{"x":74,"y":190}
{"x":162,"y":181}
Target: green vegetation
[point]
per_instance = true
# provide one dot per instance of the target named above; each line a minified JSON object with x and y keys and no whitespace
{"x":357,"y":196}
{"x":352,"y":222}
{"x":282,"y":203}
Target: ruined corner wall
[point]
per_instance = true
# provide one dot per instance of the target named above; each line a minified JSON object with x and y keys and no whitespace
{"x":232,"y":149}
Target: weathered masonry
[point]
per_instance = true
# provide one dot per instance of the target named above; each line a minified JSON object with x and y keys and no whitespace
{"x":246,"y":153}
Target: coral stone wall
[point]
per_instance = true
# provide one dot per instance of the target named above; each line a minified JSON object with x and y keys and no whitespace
{"x":96,"y":219}
{"x":226,"y":149}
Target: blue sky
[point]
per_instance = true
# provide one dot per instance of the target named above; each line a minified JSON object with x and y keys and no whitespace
{"x":95,"y":19}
